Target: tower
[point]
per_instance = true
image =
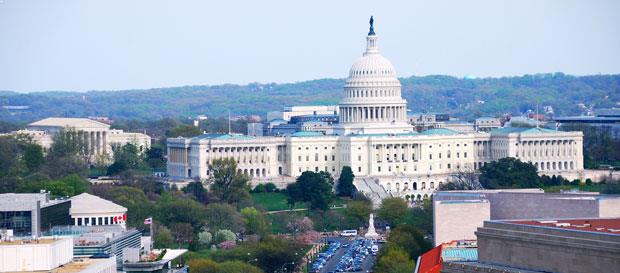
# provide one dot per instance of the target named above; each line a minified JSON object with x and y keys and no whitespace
{"x":372,"y":101}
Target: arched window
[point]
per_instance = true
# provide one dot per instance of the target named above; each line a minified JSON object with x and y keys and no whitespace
{"x":415,"y":186}
{"x":280,"y":170}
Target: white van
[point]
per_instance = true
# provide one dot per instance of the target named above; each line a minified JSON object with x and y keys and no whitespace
{"x":348,"y":233}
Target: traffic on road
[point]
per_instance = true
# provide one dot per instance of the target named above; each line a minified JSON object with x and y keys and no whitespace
{"x":346,"y":254}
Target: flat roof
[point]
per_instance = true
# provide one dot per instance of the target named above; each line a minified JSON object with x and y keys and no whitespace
{"x":608,"y":226}
{"x":26,"y":201}
{"x":40,"y":241}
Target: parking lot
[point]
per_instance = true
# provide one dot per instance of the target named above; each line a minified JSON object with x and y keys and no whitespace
{"x":346,"y":255}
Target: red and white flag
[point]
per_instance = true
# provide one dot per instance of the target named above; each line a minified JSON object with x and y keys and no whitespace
{"x":148,"y":221}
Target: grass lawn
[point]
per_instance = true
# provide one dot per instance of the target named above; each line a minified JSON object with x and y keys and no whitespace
{"x":271,"y":201}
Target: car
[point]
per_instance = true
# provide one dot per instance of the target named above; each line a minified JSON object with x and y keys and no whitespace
{"x":348,"y":233}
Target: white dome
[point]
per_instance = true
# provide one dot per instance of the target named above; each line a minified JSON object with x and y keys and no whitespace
{"x":372,"y":66}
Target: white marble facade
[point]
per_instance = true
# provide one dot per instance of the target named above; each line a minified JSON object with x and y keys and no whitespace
{"x":375,"y":140}
{"x":98,"y":137}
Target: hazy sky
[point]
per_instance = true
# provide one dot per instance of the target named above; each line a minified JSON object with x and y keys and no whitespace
{"x":119,"y":44}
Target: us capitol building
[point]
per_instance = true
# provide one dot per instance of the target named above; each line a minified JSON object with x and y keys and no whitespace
{"x":373,"y":137}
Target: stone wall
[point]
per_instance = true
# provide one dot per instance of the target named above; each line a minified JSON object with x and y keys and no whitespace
{"x":545,"y":249}
{"x":458,"y":219}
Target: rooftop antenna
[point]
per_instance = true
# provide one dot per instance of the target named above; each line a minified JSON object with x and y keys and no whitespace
{"x":229,"y":121}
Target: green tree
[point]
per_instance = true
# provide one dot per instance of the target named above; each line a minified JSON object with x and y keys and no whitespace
{"x":223,"y":216}
{"x":184,"y":130}
{"x":393,"y":210}
{"x":395,"y":260}
{"x":345,"y":182}
{"x":10,"y":165}
{"x":126,"y":157}
{"x":163,"y":237}
{"x":509,"y":173}
{"x":254,"y":221}
{"x":180,"y":210}
{"x":205,"y":237}
{"x":357,"y":212}
{"x":409,"y":239}
{"x":315,"y":188}
{"x":198,"y":191}
{"x":33,"y":157}
{"x":275,"y":253}
{"x":67,"y":155}
{"x":227,"y":184}
{"x":224,"y":235}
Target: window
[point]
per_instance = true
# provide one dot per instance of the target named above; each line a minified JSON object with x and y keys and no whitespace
{"x":439,"y":155}
{"x":465,"y":155}
{"x":430,"y":156}
{"x":359,"y":169}
{"x":316,"y":169}
{"x":333,"y":158}
{"x":359,"y":158}
{"x":326,"y":158}
{"x":458,"y":155}
{"x":379,"y":169}
{"x":307,"y":158}
{"x":449,"y":166}
{"x":299,"y":158}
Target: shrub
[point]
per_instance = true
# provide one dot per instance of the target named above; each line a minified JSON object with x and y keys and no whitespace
{"x":224,"y":235}
{"x":270,"y":187}
{"x":259,"y":188}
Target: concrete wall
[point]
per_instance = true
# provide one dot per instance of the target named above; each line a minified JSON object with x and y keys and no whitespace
{"x":508,"y":205}
{"x":549,"y":250}
{"x":35,"y":257}
{"x":462,"y":219}
{"x":458,"y":219}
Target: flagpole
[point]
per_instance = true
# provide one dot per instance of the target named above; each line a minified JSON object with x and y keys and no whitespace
{"x":152,"y":234}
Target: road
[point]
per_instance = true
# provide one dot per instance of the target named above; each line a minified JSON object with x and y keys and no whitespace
{"x":330,"y":266}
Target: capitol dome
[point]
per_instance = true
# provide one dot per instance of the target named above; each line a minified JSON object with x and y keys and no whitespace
{"x":372,"y":101}
{"x":372,"y":66}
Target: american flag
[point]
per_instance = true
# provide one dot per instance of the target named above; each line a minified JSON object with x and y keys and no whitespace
{"x":148,"y":221}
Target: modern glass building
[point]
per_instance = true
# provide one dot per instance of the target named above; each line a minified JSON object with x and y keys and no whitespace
{"x":29,"y":214}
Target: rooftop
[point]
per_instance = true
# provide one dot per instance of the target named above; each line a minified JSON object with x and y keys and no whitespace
{"x":70,"y":122}
{"x":87,"y":204}
{"x":224,"y":136}
{"x":522,"y":130}
{"x":609,"y":226}
{"x":26,"y":201}
{"x":40,"y":241}
{"x":439,"y":131}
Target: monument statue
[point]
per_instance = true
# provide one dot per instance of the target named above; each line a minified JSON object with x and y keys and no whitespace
{"x":372,"y":233}
{"x":372,"y":27}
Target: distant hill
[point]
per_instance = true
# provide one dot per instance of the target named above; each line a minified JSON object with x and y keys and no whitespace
{"x":465,"y":98}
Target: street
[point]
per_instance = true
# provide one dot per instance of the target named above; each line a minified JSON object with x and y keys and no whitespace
{"x":332,"y":264}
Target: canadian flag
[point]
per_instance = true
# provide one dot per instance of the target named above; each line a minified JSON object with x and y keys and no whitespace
{"x":148,"y":221}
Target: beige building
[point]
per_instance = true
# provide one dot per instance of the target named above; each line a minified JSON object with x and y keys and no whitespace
{"x":374,"y":138}
{"x":458,"y":214}
{"x":557,"y":245}
{"x":97,"y":136}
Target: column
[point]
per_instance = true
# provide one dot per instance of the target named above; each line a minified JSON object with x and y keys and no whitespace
{"x":99,"y":141}
{"x":91,"y":143}
{"x":105,"y":142}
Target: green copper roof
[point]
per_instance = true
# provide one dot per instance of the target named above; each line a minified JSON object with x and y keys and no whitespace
{"x":459,"y":254}
{"x":224,"y":136}
{"x":439,"y":131}
{"x":522,"y":130}
{"x":384,"y":134}
{"x":307,"y":134}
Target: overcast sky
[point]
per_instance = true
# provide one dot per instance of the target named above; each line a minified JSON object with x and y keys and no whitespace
{"x":119,"y":44}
